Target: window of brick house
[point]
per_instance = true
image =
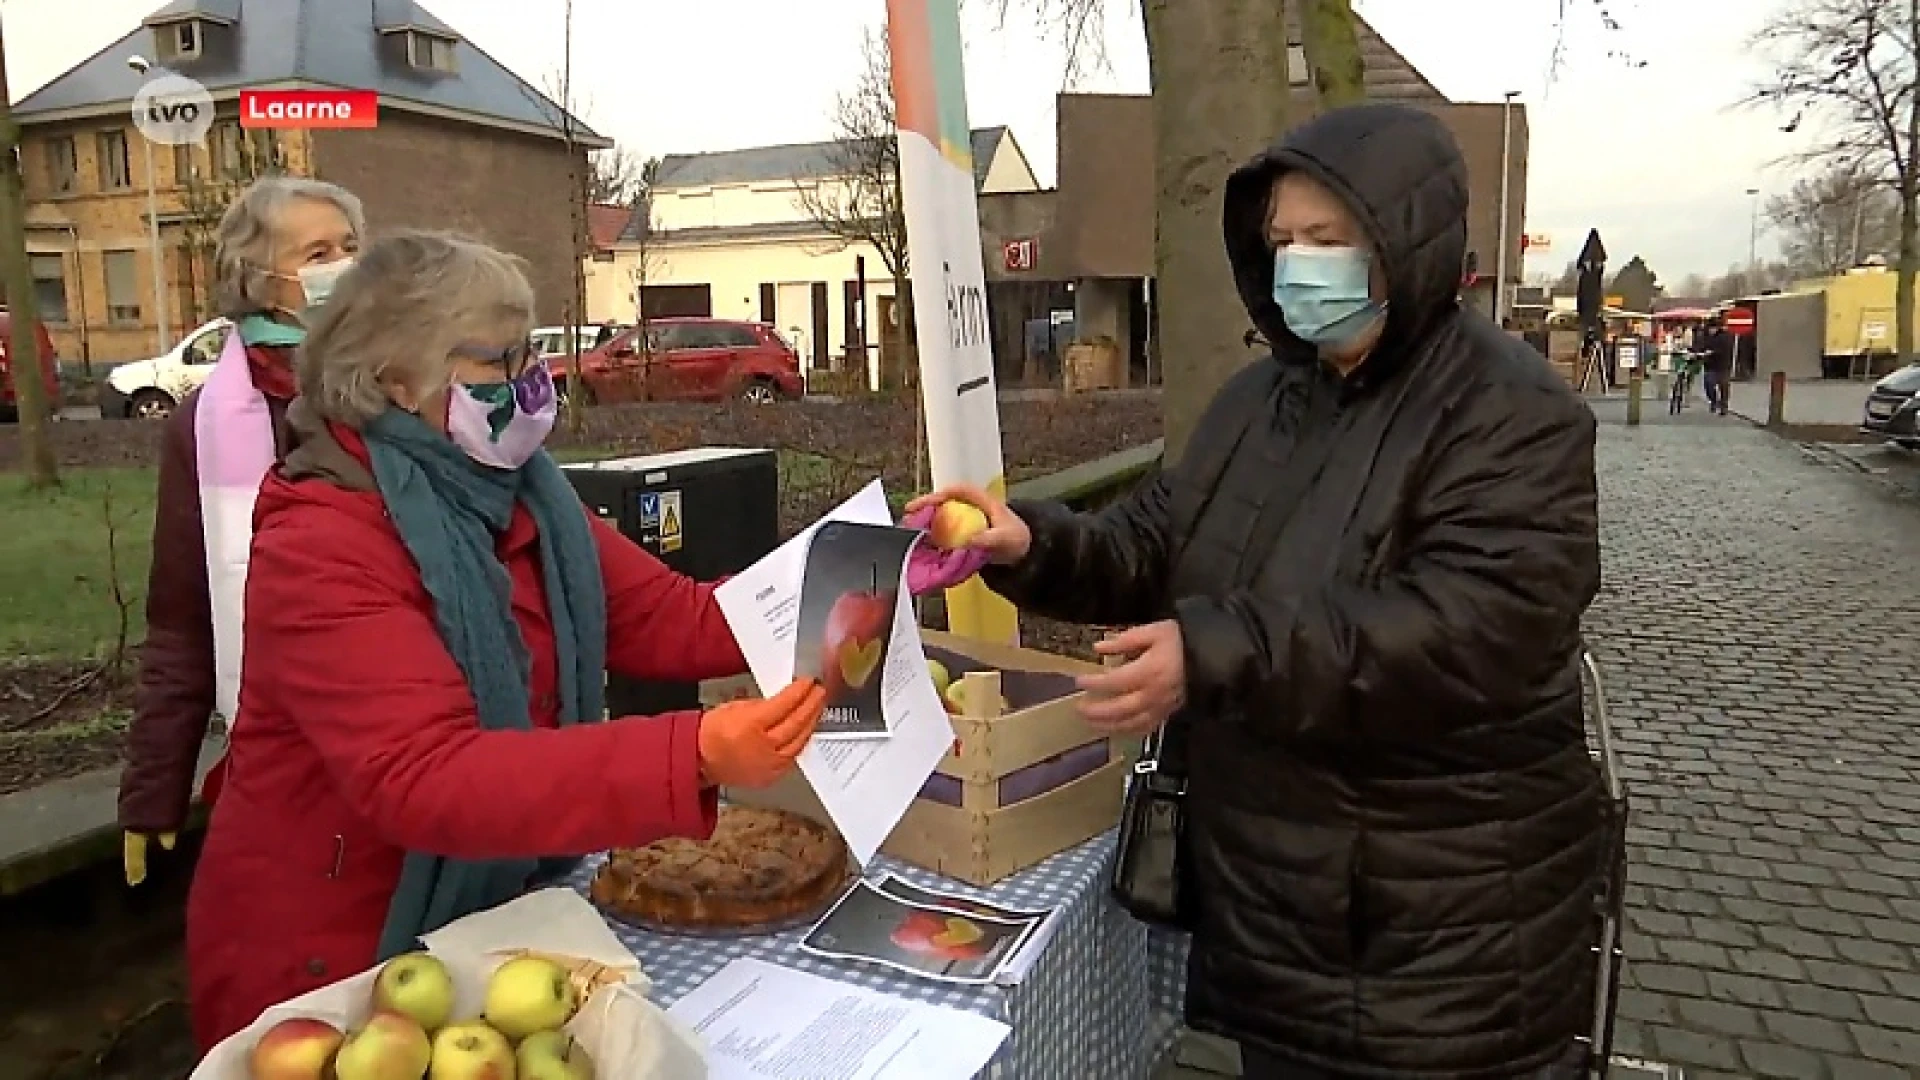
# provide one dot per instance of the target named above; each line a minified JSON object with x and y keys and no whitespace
{"x":49,"y":285}
{"x":183,"y":164}
{"x":184,"y":40}
{"x":63,"y":165}
{"x":226,"y":150}
{"x":264,"y":146}
{"x":430,"y":52}
{"x":1298,"y":73}
{"x":116,"y":170}
{"x":123,"y":286}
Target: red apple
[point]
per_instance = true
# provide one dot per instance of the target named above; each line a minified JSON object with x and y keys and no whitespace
{"x":299,"y":1048}
{"x":916,"y":932}
{"x":851,"y":646}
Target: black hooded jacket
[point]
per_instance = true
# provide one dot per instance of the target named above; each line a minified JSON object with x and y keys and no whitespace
{"x":1395,"y":824}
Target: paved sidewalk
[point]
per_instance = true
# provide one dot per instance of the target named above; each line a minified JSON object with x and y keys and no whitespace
{"x":1758,"y":629}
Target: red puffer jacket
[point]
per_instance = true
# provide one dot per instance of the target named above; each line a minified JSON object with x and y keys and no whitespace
{"x":357,"y":740}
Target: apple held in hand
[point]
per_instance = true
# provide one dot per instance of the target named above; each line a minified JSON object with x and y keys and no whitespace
{"x":418,"y":987}
{"x":529,"y":994}
{"x":553,"y":1055}
{"x":296,"y":1049}
{"x":956,"y":523}
{"x":471,"y":1051}
{"x":851,"y":645}
{"x":390,"y":1047}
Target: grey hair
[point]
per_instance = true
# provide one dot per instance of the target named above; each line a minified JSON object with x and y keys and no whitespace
{"x":245,"y":241}
{"x":411,"y":298}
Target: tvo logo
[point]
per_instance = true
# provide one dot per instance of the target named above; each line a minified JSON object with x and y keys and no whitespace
{"x":173,"y":110}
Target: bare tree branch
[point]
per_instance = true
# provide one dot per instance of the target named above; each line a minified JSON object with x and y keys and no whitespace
{"x":1079,"y":25}
{"x":1851,"y":67}
{"x":858,"y":201}
{"x":1834,"y":220}
{"x":614,"y":177}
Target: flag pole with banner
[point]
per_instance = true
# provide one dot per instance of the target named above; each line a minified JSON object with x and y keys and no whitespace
{"x":949,"y":280}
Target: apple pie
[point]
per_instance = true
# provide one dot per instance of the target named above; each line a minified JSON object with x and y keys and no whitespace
{"x":760,"y":870}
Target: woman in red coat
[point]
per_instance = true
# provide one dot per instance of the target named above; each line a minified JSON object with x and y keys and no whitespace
{"x":430,"y":614}
{"x":278,"y":250}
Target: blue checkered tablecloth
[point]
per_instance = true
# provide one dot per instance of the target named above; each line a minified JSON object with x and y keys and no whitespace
{"x":1090,"y":1008}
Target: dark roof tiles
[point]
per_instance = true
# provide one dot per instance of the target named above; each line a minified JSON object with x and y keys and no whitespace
{"x":333,"y":43}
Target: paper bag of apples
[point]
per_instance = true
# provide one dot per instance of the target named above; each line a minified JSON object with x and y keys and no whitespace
{"x":537,"y":989}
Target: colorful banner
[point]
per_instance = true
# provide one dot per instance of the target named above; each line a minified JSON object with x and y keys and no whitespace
{"x":949,"y":280}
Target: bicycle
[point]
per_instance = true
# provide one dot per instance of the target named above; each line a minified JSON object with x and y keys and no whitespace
{"x":1682,"y":383}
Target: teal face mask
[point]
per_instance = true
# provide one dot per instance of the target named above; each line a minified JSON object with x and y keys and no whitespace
{"x":1324,"y":292}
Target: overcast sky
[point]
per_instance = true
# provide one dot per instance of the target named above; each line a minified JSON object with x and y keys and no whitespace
{"x":1653,"y":156}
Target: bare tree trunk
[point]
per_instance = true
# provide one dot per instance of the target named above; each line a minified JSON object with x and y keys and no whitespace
{"x":1909,"y":262}
{"x":1909,"y":211}
{"x":23,"y":349}
{"x":1220,"y":93}
{"x":1332,"y":44}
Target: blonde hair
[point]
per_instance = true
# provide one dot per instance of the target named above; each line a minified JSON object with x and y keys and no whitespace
{"x":410,"y":299}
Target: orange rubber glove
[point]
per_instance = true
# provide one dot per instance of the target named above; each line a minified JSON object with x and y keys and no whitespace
{"x":752,"y":744}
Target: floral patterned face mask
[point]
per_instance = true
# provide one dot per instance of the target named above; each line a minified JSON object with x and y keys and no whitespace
{"x":502,"y":424}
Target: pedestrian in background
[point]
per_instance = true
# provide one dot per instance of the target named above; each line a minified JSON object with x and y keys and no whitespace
{"x":1716,"y":364}
{"x":278,"y":250}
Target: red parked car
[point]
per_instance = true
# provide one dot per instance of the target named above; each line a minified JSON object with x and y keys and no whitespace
{"x":692,"y":360}
{"x":49,"y":368}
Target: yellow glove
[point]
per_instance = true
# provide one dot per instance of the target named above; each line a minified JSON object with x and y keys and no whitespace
{"x":133,"y":853}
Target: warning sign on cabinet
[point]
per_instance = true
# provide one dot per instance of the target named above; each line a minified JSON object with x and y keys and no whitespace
{"x":671,"y":521}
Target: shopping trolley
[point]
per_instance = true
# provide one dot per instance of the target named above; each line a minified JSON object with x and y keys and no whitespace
{"x":1609,"y":904}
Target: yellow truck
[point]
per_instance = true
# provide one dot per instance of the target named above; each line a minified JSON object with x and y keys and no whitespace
{"x":1860,"y":307}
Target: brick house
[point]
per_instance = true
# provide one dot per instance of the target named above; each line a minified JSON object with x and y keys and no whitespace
{"x":1088,"y":246}
{"x":462,"y":143}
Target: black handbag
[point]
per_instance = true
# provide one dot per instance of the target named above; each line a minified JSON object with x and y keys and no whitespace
{"x":1150,"y":876}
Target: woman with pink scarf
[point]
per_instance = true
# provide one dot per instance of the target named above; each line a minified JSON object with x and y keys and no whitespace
{"x":281,"y":245}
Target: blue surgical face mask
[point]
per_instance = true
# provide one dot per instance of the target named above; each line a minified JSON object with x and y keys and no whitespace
{"x":1324,"y":292}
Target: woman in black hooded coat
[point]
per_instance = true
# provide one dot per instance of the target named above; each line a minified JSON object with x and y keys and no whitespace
{"x":1360,"y":590}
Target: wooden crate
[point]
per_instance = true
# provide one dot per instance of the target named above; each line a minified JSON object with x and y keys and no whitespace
{"x":988,"y":811}
{"x":1094,"y":365}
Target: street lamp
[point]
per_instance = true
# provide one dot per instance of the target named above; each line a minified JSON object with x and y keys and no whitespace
{"x":162,"y":323}
{"x":1753,"y":232}
{"x":1506,"y":168}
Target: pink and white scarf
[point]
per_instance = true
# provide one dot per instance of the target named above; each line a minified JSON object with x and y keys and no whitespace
{"x":233,"y":449}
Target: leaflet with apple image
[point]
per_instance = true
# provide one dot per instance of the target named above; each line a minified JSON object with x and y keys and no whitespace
{"x":876,"y":925}
{"x":854,"y":612}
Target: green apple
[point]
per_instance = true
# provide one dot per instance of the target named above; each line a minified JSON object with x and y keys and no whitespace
{"x":529,"y":994}
{"x":418,"y":986}
{"x":390,"y":1047}
{"x":941,"y":678}
{"x":471,"y":1051}
{"x":553,"y":1055}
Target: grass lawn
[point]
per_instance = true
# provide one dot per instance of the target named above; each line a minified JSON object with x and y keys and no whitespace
{"x":56,"y":597}
{"x":56,"y":591}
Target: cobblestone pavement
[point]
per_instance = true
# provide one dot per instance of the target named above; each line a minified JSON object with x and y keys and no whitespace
{"x":1760,"y":629}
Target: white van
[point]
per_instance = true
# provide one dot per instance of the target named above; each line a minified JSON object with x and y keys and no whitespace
{"x":151,"y":389}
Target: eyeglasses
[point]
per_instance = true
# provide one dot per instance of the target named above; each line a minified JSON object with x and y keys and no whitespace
{"x":514,"y":359}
